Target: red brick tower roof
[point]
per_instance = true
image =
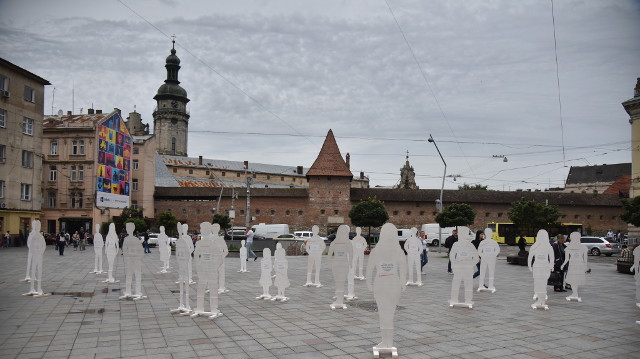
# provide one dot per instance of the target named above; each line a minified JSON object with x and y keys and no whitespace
{"x":329,"y":161}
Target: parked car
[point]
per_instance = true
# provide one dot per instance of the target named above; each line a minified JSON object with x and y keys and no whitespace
{"x":599,"y":245}
{"x":240,"y":234}
{"x":288,"y":237}
{"x":332,"y":236}
{"x":306,"y":235}
{"x":153,"y":239}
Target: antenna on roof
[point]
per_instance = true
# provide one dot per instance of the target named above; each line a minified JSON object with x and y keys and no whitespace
{"x":53,"y":100}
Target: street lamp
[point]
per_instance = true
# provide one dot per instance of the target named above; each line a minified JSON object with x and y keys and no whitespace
{"x":439,"y":203}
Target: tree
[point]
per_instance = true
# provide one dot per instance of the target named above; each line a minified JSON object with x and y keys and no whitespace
{"x":169,"y":221}
{"x":531,"y":216}
{"x":140,"y":224}
{"x":369,"y":213}
{"x":127,"y":213}
{"x":475,"y":187}
{"x":457,"y":214}
{"x":631,"y":209}
{"x":223,"y":220}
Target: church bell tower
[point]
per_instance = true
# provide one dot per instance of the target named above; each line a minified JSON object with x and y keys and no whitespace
{"x":170,"y":118}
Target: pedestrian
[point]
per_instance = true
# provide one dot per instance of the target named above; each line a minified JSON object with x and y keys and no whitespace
{"x":76,"y":240}
{"x":448,"y":243}
{"x":5,"y":240}
{"x":67,"y":238}
{"x":424,"y":257}
{"x":522,"y":246}
{"x":121,"y":241}
{"x":476,"y":242}
{"x":83,"y":241}
{"x":62,"y":242}
{"x":145,"y":241}
{"x":558,"y":251}
{"x":249,"y":244}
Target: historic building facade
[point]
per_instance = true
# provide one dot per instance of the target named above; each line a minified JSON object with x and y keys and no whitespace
{"x":632,"y":106}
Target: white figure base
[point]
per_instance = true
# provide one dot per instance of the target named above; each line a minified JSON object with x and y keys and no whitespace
{"x":36,"y":294}
{"x":418,"y":284}
{"x":350,"y":297}
{"x":163,"y":271}
{"x":539,"y":306}
{"x":243,"y":271}
{"x":535,"y":297}
{"x":483,"y":289}
{"x":460,"y":304}
{"x":571,"y":297}
{"x":110,"y":281}
{"x":309,"y":284}
{"x":265,"y":297}
{"x":181,"y":311}
{"x":191,"y":281}
{"x":26,"y":279}
{"x":338,"y":306}
{"x":359,"y":277}
{"x":280,"y":298}
{"x":210,"y":315}
{"x":128,"y":296}
{"x":377,"y":351}
{"x":97,"y":272}
{"x":637,"y":321}
{"x":223,"y":290}
{"x":215,"y":315}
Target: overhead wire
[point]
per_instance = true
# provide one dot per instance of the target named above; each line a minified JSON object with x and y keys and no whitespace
{"x":555,"y":47}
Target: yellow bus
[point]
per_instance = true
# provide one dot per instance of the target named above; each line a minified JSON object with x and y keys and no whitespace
{"x":508,"y":233}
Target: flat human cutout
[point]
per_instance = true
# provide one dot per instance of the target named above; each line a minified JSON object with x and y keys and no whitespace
{"x":342,"y":251}
{"x":351,"y":285}
{"x":164,"y":248}
{"x":576,"y":255}
{"x":542,"y":257}
{"x":359,"y":246}
{"x":488,"y":250}
{"x":132,"y":251}
{"x":464,"y":257}
{"x":413,"y":246}
{"x":266,"y":267}
{"x":636,"y":269}
{"x":388,"y":261}
{"x":243,"y":257}
{"x":111,"y":249}
{"x":206,"y":264}
{"x":314,"y":246}
{"x":27,"y":277}
{"x":98,"y":246}
{"x":183,"y":256}
{"x":187,"y":238}
{"x":281,"y":267}
{"x":221,"y":253}
{"x":36,"y":249}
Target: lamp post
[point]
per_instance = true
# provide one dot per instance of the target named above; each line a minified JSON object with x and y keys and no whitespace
{"x":439,"y":203}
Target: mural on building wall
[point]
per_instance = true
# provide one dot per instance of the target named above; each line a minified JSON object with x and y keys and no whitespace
{"x":114,"y":161}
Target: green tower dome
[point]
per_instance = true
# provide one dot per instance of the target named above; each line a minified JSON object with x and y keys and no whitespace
{"x":171,"y":88}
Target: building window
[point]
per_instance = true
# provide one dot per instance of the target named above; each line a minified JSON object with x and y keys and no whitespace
{"x":4,"y":83}
{"x":408,"y":213}
{"x":422,"y":213}
{"x":25,"y":192}
{"x":77,"y":147}
{"x":173,"y":145}
{"x":487,"y":214}
{"x":273,"y":212}
{"x":601,"y":217}
{"x":135,"y":164}
{"x":76,"y":199}
{"x":29,"y":94}
{"x":184,"y":211}
{"x":27,"y":126}
{"x":254,"y":175}
{"x":3,"y":153}
{"x":613,"y":217}
{"x":335,"y":211}
{"x":77,"y":173}
{"x":52,"y":199}
{"x":434,"y":213}
{"x":54,"y":147}
{"x":588,"y":216}
{"x":27,"y":159}
{"x":238,"y":174}
{"x":242,"y":212}
{"x":268,"y":177}
{"x":175,"y":170}
{"x":223,"y":174}
{"x":287,"y":213}
{"x":395,"y":213}
{"x":190,"y":172}
{"x":206,"y":173}
{"x":136,"y":150}
{"x":53,"y":173}
{"x":134,"y":204}
{"x":3,"y":118}
{"x":576,"y":216}
{"x":1,"y":189}
{"x":300,"y":213}
{"x":564,"y":216}
{"x":257,"y":212}
{"x":499,"y":214}
{"x":322,"y":211}
{"x":134,"y":184}
{"x":281,"y":178}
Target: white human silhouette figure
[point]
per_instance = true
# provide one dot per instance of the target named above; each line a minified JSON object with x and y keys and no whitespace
{"x":98,"y":245}
{"x":27,"y":277}
{"x":164,"y":248}
{"x":342,"y":251}
{"x":576,"y":255}
{"x":314,"y":246}
{"x":544,"y":257}
{"x":221,"y":252}
{"x":111,"y":249}
{"x":243,"y":257}
{"x":359,"y":246}
{"x":413,"y":246}
{"x":281,"y":267}
{"x":207,"y":270}
{"x":350,"y":283}
{"x":265,"y":274}
{"x":636,"y":268}
{"x":464,"y":257}
{"x":132,"y":251}
{"x":488,"y":250}
{"x":183,"y":256}
{"x":37,"y":248}
{"x":390,"y":265}
{"x":185,"y":233}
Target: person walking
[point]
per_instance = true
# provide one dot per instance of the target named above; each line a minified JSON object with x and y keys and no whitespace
{"x":76,"y":240}
{"x":558,"y":251}
{"x":145,"y":241}
{"x":448,"y":243}
{"x":83,"y":241}
{"x":249,"y":244}
{"x":62,"y":242}
{"x":476,"y":243}
{"x":424,"y":257}
{"x":522,"y":246}
{"x":5,"y":240}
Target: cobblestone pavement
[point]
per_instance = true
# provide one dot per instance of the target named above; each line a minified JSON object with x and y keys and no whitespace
{"x":85,"y":319}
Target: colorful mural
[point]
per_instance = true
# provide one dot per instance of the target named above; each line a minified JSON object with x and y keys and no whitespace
{"x":114,"y":163}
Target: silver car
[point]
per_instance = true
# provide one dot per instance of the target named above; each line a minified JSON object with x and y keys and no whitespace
{"x":598,"y":245}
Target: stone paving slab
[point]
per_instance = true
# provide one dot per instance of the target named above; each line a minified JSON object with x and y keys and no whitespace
{"x":84,"y":318}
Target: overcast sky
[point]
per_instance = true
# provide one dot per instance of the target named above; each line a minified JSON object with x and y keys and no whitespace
{"x":268,"y":79}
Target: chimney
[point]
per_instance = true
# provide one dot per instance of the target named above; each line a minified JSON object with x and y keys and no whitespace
{"x":299,"y":170}
{"x":361,"y":175}
{"x":98,"y":112}
{"x":246,"y":165}
{"x":118,"y":110}
{"x":68,"y":113}
{"x":90,"y":111}
{"x":348,"y":160}
{"x":200,"y":160}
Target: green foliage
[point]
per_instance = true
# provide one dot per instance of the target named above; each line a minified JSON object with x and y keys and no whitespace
{"x":127,"y":213}
{"x":533,"y":216}
{"x":169,"y":221}
{"x":231,"y":247}
{"x":223,"y":220}
{"x":475,"y":187}
{"x":589,"y":230}
{"x":457,"y":214}
{"x":631,"y":208}
{"x":369,"y":213}
{"x":104,"y":228}
{"x":141,"y":226}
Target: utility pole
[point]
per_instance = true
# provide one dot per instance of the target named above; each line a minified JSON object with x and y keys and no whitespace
{"x":248,"y":213}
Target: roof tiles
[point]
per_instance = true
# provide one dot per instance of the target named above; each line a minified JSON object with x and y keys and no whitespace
{"x":329,"y":161}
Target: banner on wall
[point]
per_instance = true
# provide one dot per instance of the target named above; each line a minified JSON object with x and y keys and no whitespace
{"x":113,"y":178}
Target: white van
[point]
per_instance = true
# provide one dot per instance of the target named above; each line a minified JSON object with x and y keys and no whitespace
{"x":306,"y":235}
{"x":403,"y":234}
{"x":431,"y":232}
{"x":270,"y":231}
